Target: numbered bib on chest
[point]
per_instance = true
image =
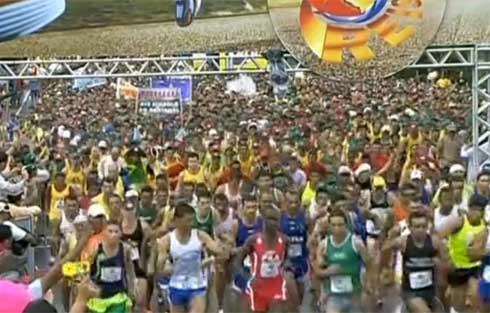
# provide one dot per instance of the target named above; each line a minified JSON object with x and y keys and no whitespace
{"x":295,"y":250}
{"x":269,"y":268}
{"x":419,"y":280}
{"x":246,"y":262}
{"x":60,"y":204}
{"x":135,"y":254}
{"x":341,"y":284}
{"x":486,"y":273}
{"x":111,"y":274}
{"x":190,"y":283}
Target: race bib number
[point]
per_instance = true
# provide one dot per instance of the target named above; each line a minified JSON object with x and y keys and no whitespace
{"x":111,"y":274}
{"x":192,"y":283}
{"x":269,"y":269}
{"x":60,"y":204}
{"x":486,"y":273}
{"x":246,"y":262}
{"x":341,"y":284}
{"x":135,"y":254}
{"x":419,"y":280}
{"x":295,"y":250}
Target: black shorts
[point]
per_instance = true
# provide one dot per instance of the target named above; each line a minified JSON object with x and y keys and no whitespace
{"x":138,"y":271}
{"x":429,"y":295}
{"x":458,"y":277}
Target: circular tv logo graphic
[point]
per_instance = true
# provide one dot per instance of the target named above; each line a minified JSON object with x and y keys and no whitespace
{"x":356,"y":39}
{"x":349,"y":13}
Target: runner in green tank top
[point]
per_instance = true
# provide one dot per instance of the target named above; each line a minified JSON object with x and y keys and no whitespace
{"x":340,"y":258}
{"x":203,"y":219}
{"x":345,"y":255}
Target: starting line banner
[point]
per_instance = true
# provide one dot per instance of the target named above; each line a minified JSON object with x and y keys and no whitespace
{"x":160,"y":102}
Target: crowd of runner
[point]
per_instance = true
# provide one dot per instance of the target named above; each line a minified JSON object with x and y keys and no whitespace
{"x":338,"y":198}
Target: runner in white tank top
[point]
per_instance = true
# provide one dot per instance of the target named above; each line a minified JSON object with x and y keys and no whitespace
{"x":236,"y":199}
{"x":184,"y":245}
{"x":442,"y":219}
{"x":187,"y":273}
{"x":447,"y":210}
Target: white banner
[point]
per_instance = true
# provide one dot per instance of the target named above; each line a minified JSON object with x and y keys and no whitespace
{"x":87,"y":83}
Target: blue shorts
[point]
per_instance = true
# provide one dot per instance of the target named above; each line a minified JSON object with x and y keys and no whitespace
{"x":163,"y":282}
{"x":484,"y":290}
{"x":240,"y":283}
{"x":299,"y":270}
{"x":184,"y":297}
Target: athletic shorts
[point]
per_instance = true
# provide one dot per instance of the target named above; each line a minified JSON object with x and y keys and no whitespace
{"x":240,"y":283}
{"x":262,"y":294}
{"x":299,"y":270}
{"x":484,"y":290}
{"x":428,"y":295}
{"x":341,"y":303}
{"x":163,"y":282}
{"x":461,"y":276}
{"x":183,"y":297}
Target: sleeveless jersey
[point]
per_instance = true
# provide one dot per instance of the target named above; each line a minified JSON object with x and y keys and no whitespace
{"x":440,"y":220}
{"x":224,"y":227}
{"x":458,"y":244}
{"x":348,"y":281}
{"x":295,"y":229}
{"x":240,"y":281}
{"x":245,"y":231}
{"x":186,"y":259}
{"x":308,"y":195}
{"x":397,"y":255}
{"x":418,"y":265}
{"x":109,"y":273}
{"x":66,"y":227}
{"x":205,"y":225}
{"x":57,"y":201}
{"x":75,"y":177}
{"x":246,"y":166}
{"x":197,"y":178}
{"x":135,"y":240}
{"x":267,"y":265}
{"x":234,"y":200}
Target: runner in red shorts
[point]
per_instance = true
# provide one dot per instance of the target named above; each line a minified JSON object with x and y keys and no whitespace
{"x":267,"y":287}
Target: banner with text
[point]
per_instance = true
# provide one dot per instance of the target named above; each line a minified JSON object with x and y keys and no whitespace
{"x":159,"y":101}
{"x":184,"y":84}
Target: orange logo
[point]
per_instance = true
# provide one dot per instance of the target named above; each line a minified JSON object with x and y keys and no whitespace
{"x":331,"y":26}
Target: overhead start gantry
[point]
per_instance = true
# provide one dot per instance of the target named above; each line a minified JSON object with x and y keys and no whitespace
{"x":474,"y":57}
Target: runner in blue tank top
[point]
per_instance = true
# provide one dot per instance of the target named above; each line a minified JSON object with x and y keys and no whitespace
{"x":294,"y":225}
{"x":248,"y":224}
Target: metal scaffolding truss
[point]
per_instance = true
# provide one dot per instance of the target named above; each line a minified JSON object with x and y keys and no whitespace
{"x":481,"y":105}
{"x":475,"y":57}
{"x":196,"y":64}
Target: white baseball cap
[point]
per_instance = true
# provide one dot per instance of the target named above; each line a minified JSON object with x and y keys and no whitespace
{"x":455,"y":168}
{"x":96,"y":210}
{"x":344,"y":170}
{"x":102,"y":144}
{"x":363,"y":168}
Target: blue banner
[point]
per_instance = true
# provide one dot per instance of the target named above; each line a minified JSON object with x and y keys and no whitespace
{"x":183,"y":83}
